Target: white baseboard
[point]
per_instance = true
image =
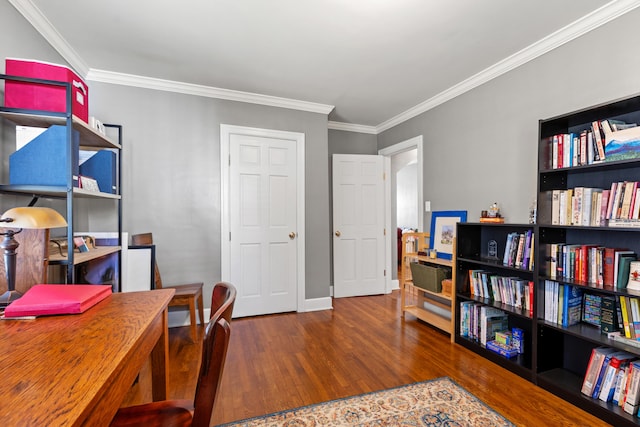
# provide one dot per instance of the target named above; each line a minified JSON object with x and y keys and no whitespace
{"x":318,"y":304}
{"x":395,"y":284}
{"x":179,"y":318}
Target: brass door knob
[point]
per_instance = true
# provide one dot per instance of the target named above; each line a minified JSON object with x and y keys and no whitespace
{"x":292,"y":235}
{"x":338,"y":233}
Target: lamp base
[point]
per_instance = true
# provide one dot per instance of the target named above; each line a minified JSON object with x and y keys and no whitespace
{"x":9,"y":297}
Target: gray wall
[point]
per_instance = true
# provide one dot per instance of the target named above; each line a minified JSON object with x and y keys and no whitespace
{"x":481,"y":147}
{"x":171,"y":166}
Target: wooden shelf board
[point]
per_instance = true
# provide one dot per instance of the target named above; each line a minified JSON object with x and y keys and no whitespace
{"x":81,"y":257}
{"x":89,"y":137}
{"x":436,"y":320}
{"x":54,"y":191}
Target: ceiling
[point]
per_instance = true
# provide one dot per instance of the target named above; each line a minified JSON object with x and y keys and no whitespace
{"x":369,"y":64}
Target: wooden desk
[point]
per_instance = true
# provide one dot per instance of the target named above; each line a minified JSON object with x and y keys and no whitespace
{"x":74,"y":370}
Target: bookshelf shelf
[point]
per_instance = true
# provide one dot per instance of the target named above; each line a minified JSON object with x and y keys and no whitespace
{"x":571,"y":239}
{"x":434,"y":308}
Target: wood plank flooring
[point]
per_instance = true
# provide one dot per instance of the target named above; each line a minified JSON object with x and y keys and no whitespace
{"x":284,"y":361}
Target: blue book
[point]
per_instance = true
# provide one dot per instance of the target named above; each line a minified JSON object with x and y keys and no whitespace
{"x":43,"y":161}
{"x":572,"y":306}
{"x":101,"y":167}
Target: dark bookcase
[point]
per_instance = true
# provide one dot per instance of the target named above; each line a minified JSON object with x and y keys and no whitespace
{"x":556,"y":357}
{"x":561,"y":354}
{"x":472,"y":253}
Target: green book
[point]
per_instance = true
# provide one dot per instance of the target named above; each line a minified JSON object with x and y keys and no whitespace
{"x":623,"y":270}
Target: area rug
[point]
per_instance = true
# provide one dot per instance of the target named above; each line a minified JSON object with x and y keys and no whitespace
{"x":439,"y":402}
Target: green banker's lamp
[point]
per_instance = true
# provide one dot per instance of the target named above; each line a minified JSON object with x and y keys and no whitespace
{"x":14,"y":221}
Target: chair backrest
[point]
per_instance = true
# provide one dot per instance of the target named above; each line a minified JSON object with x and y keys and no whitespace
{"x":214,"y":352}
{"x":147,"y":239}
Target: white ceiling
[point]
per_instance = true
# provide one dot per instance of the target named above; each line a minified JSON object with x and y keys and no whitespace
{"x":371,"y":63}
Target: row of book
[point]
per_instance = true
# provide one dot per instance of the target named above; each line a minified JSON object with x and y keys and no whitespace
{"x":593,"y":264}
{"x":563,"y":304}
{"x":489,"y":326}
{"x":586,"y":147}
{"x":519,"y":250}
{"x":512,"y":291}
{"x":596,"y":207}
{"x":613,"y":376}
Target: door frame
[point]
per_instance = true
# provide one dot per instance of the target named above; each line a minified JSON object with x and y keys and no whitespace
{"x":413,"y":143}
{"x":225,"y":228}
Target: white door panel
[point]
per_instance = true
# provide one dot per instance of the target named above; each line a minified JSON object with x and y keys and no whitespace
{"x":262,"y":222}
{"x":358,"y":222}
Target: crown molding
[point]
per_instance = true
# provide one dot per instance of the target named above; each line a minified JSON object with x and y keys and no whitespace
{"x":206,"y":91}
{"x":41,"y":24}
{"x":348,"y":127}
{"x":595,"y":19}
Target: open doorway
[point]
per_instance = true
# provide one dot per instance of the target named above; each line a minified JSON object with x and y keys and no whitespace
{"x":405,"y":165}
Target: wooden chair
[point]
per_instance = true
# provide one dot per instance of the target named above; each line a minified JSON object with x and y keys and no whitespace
{"x":186,"y":294}
{"x":196,"y":413}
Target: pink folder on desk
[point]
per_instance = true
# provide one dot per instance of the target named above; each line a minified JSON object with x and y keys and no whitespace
{"x":57,"y":299}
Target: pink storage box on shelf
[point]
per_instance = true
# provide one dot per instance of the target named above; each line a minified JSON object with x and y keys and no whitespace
{"x":33,"y":96}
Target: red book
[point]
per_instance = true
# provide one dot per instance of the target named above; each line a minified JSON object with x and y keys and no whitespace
{"x":57,"y":299}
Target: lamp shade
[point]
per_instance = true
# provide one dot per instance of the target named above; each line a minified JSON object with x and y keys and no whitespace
{"x":32,"y":217}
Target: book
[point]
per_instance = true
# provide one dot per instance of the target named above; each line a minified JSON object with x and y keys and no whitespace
{"x":517,"y":339}
{"x":501,"y":349}
{"x":608,"y":382}
{"x":625,"y":309}
{"x":616,"y":264}
{"x":624,"y":267}
{"x":591,"y":307}
{"x":593,"y":368}
{"x":601,"y":375}
{"x":608,"y":321}
{"x":45,"y":299}
{"x":634,"y":276}
{"x":608,"y":265}
{"x":633,"y":389}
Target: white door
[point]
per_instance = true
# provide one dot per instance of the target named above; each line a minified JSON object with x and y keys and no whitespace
{"x":262,"y":258}
{"x":358,"y":225}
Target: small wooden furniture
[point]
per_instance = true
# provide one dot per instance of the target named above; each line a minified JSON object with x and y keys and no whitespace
{"x":214,"y":350}
{"x":31,"y":262}
{"x":74,"y":370}
{"x":413,"y":298}
{"x":186,"y":294}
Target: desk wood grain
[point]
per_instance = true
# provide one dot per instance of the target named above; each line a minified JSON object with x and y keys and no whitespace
{"x":75,"y":369}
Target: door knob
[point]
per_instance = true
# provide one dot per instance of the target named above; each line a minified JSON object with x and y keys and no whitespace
{"x":338,"y":233}
{"x":292,"y":235}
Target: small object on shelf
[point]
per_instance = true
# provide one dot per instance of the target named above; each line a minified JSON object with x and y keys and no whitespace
{"x":502,"y":349}
{"x":492,"y":249}
{"x":80,"y":244}
{"x":492,"y":215}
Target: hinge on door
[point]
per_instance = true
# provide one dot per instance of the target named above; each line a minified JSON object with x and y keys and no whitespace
{"x":385,"y":272}
{"x":229,"y":159}
{"x":384,"y":176}
{"x":229,"y":236}
{"x":384,"y":232}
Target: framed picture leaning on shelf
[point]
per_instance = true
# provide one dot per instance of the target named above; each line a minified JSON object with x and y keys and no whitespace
{"x":443,"y":231}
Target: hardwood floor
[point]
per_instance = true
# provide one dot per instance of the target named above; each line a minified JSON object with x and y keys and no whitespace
{"x":284,"y":361}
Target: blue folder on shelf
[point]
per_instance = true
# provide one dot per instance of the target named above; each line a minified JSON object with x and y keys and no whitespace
{"x":102,"y":167}
{"x":43,"y":161}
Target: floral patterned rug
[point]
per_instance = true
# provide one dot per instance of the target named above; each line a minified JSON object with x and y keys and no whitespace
{"x":439,"y":402}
